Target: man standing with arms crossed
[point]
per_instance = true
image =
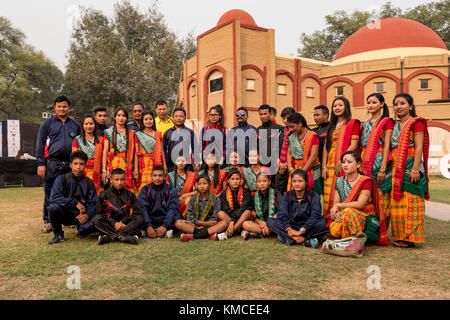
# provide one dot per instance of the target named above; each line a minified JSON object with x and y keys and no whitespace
{"x":53,"y":148}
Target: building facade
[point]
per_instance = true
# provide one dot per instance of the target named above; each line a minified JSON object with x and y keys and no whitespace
{"x":236,"y":65}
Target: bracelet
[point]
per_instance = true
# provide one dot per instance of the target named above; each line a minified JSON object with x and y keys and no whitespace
{"x":414,"y":171}
{"x":382,"y":171}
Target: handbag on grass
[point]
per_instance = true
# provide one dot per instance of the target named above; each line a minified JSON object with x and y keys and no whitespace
{"x":347,"y":247}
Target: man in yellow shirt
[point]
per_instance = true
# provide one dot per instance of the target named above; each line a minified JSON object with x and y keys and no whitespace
{"x":163,"y":122}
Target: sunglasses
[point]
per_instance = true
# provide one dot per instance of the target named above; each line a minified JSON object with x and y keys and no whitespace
{"x":242,"y":114}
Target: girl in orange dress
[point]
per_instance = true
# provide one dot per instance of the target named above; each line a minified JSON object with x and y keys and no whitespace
{"x":148,"y":144}
{"x":92,"y":145}
{"x":343,"y":135}
{"x":118,"y":149}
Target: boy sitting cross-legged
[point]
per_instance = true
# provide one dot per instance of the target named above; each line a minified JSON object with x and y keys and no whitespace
{"x":118,"y":214}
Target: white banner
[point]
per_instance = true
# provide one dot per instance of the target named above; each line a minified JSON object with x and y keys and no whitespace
{"x":13,"y":132}
{"x":1,"y":139}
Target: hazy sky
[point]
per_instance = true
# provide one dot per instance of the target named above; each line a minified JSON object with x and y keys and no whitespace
{"x":47,"y":23}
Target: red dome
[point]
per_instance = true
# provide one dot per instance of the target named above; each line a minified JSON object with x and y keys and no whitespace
{"x":392,"y":33}
{"x":244,"y":17}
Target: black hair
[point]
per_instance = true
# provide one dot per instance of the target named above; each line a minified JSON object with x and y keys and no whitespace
{"x":138,"y":104}
{"x":324,"y":109}
{"x":99,"y":109}
{"x":216,"y":171}
{"x":148,"y":112}
{"x":265,"y":174}
{"x":354,"y":154}
{"x":243,"y":108}
{"x":233,"y":171}
{"x":410,"y":101}
{"x":117,"y":171}
{"x":204,"y":176}
{"x":347,"y":115}
{"x":380,"y":97}
{"x":287,"y":111}
{"x":61,"y":99}
{"x":179,"y":109}
{"x":273,"y":110}
{"x":158,"y":168}
{"x":297,"y":118}
{"x":264,"y":107}
{"x":78,"y":155}
{"x":219,"y":110}
{"x":83,"y":132}
{"x":160,"y":103}
{"x":300,"y":172}
{"x":114,"y":142}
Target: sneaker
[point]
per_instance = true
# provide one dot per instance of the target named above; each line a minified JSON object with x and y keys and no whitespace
{"x":312,"y":243}
{"x":186,"y":237}
{"x":47,"y":228}
{"x":245,"y":234}
{"x":102,"y":239}
{"x":213,"y":236}
{"x":128,"y":239}
{"x":255,"y":235}
{"x":57,"y":238}
{"x":281,"y":240}
{"x":221,"y":236}
{"x":169,"y":234}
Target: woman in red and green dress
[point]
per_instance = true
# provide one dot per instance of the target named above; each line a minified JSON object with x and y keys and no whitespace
{"x":376,"y":149}
{"x":343,"y":135}
{"x":355,"y":206}
{"x":184,"y":181}
{"x":92,"y":145}
{"x":218,"y":176}
{"x":149,"y":152}
{"x":303,"y":152}
{"x":118,"y":149}
{"x":410,"y":144}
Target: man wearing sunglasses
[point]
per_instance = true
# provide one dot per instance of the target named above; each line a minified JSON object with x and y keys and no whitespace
{"x":242,"y":128}
{"x":138,"y":108}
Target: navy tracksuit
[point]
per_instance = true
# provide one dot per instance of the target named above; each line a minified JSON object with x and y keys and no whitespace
{"x":53,"y":148}
{"x":159,"y":205}
{"x":297,"y":213}
{"x":67,"y":191}
{"x":186,"y":137}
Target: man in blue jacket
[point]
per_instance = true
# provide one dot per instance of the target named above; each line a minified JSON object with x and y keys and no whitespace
{"x":159,"y":203}
{"x":53,"y":148}
{"x":299,"y":218}
{"x":72,"y":200}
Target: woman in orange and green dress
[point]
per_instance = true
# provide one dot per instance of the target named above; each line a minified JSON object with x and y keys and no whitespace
{"x":149,"y":151}
{"x":376,"y":149}
{"x":343,"y":135}
{"x":410,"y":144}
{"x":91,"y":144}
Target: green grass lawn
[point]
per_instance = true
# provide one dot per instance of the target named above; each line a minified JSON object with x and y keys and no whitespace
{"x":205,"y":269}
{"x":440,"y":189}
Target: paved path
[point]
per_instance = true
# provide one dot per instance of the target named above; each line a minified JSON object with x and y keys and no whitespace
{"x":438,"y":210}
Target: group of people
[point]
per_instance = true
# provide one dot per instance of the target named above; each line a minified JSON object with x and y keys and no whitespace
{"x":153,"y":177}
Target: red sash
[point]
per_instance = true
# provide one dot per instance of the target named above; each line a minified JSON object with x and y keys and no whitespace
{"x":402,"y":154}
{"x":372,"y":146}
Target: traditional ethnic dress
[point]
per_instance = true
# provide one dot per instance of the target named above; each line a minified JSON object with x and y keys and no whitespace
{"x":183,"y":186}
{"x":340,"y":142}
{"x":408,"y":199}
{"x":94,"y":152}
{"x":372,"y":142}
{"x":216,"y":190}
{"x":284,"y":148}
{"x":122,"y":157}
{"x":149,"y":151}
{"x":272,"y":204}
{"x":354,"y":220}
{"x":300,"y":151}
{"x":250,"y":177}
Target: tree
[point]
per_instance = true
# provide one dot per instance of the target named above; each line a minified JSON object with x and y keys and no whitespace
{"x":323,"y":45}
{"x":28,"y":80}
{"x":130,"y":57}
